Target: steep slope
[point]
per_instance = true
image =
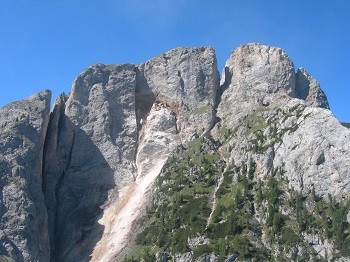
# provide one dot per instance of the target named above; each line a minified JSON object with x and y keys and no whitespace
{"x":156,"y":142}
{"x":206,"y":209}
{"x":91,"y":152}
{"x":309,"y":90}
{"x":160,"y":161}
{"x":263,"y":186}
{"x":278,"y":130}
{"x":23,"y":217}
{"x":187,"y":81}
{"x":108,"y":139}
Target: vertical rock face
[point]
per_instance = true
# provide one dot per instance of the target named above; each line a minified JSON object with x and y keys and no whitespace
{"x":186,"y":80}
{"x":102,"y":105}
{"x":92,"y":141}
{"x":72,"y":183}
{"x":282,"y":122}
{"x":118,"y":124}
{"x":23,"y":218}
{"x":254,"y":74}
{"x":309,"y":90}
{"x":316,"y":154}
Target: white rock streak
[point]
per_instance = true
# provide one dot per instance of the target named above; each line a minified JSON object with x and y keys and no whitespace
{"x":158,"y":139}
{"x":118,"y":218}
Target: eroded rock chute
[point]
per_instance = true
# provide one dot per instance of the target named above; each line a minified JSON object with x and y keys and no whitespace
{"x":107,"y":141}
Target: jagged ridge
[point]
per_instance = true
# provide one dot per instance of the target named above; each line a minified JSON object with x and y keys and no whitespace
{"x":107,"y":140}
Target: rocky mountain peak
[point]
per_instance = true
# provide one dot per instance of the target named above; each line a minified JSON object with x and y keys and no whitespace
{"x":262,"y":92}
{"x":84,"y":173}
{"x":261,"y":68}
{"x":253,"y":76}
{"x":256,"y":75}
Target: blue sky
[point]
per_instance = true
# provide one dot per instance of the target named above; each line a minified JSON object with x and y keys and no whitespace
{"x":45,"y":44}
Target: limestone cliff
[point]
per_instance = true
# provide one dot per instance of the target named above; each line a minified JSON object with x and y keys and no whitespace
{"x":79,"y":178}
{"x":89,"y":150}
{"x":106,"y":138}
{"x":23,"y":217}
{"x":187,"y":81}
{"x":282,"y":120}
{"x":270,"y":181}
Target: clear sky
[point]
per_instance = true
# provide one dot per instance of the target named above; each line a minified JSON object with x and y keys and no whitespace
{"x":45,"y":44}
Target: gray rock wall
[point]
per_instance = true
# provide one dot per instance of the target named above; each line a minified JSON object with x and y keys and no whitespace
{"x":309,"y":90}
{"x":187,"y":81}
{"x":121,"y":121}
{"x":23,"y":218}
{"x":316,"y":154}
{"x":118,"y":122}
{"x":282,"y":121}
{"x":93,"y":145}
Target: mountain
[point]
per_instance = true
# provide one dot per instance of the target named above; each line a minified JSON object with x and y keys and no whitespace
{"x":164,"y":160}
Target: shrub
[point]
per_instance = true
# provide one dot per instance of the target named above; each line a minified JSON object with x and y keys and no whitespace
{"x":277,"y":222}
{"x":179,"y":243}
{"x":289,"y":237}
{"x":201,"y":250}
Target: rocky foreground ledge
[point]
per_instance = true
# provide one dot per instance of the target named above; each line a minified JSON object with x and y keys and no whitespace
{"x":74,"y":180}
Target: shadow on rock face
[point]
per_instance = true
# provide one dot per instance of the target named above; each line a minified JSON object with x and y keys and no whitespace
{"x":76,"y":182}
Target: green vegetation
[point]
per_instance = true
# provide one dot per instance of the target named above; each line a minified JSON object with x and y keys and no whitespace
{"x":182,"y":206}
{"x":256,"y":121}
{"x":18,"y":181}
{"x":346,"y":124}
{"x":251,"y":218}
{"x":226,"y":133}
{"x":201,"y":110}
{"x":4,"y":259}
{"x":62,"y":94}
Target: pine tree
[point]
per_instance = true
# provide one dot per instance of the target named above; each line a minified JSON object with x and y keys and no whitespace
{"x":221,"y":249}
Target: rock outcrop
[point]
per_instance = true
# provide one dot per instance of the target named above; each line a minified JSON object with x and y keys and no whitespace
{"x":119,"y":123}
{"x":309,"y":90}
{"x":186,"y":80}
{"x":282,"y":121}
{"x":316,"y":157}
{"x":253,"y":76}
{"x":256,"y":75}
{"x":23,"y":218}
{"x":73,"y":182}
{"x":90,"y":149}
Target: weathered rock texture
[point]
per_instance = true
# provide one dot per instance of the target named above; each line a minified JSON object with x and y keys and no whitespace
{"x":23,"y":218}
{"x":255,"y":75}
{"x":107,"y":141}
{"x":157,"y":140}
{"x":186,"y":80}
{"x":316,"y":157}
{"x":119,"y":123}
{"x":309,"y":90}
{"x":282,"y":121}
